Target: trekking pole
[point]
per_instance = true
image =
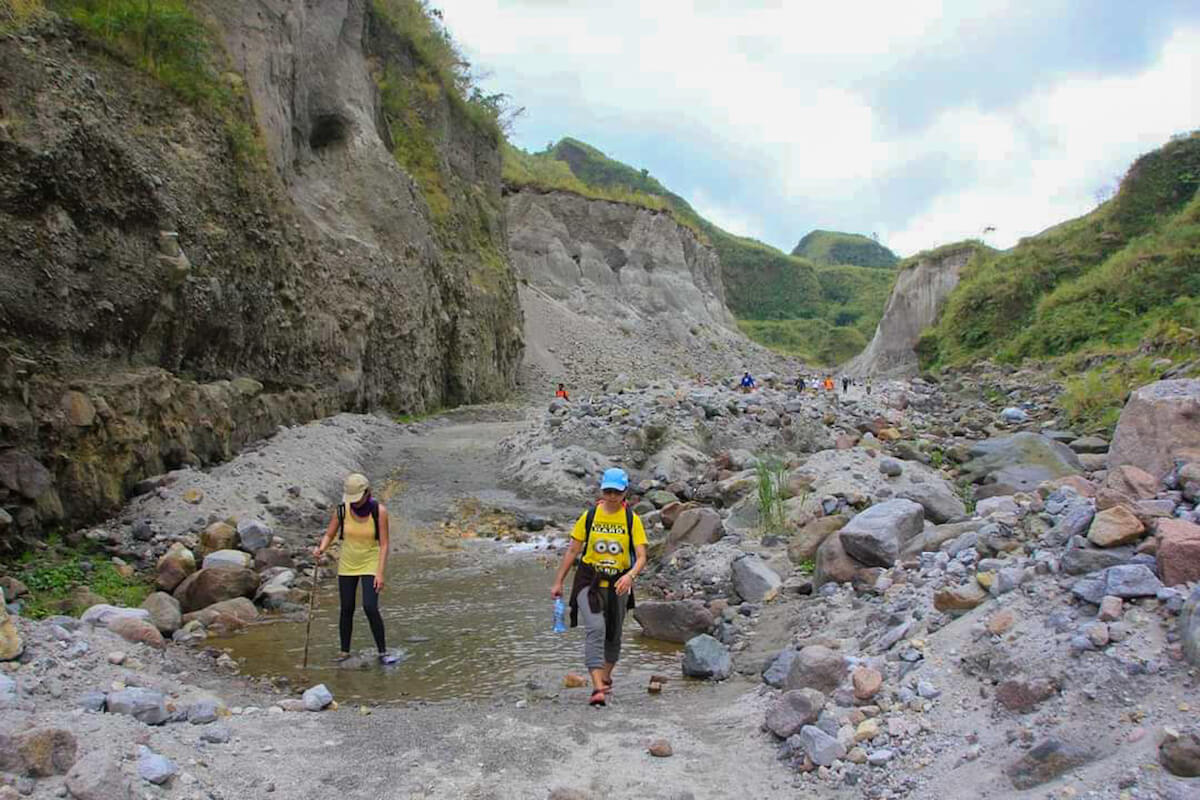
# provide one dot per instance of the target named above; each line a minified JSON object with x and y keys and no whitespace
{"x":312,"y":602}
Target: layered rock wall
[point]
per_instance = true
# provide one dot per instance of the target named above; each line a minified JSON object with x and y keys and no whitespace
{"x":916,"y":301}
{"x":178,"y":279}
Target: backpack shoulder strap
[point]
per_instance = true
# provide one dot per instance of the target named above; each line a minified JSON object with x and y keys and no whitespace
{"x":587,"y":527}
{"x":375,"y":517}
{"x":629,"y":533}
{"x":341,"y":515}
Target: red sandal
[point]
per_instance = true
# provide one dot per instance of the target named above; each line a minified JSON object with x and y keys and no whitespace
{"x":597,"y":698}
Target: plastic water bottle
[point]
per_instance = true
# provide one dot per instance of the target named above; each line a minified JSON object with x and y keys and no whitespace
{"x":560,"y":614}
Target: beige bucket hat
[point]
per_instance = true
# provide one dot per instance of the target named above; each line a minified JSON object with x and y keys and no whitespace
{"x":354,"y":488}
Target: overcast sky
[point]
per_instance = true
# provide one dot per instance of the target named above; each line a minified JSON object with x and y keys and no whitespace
{"x":919,"y":120}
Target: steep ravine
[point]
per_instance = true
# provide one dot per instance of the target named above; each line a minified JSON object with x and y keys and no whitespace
{"x":173,"y":287}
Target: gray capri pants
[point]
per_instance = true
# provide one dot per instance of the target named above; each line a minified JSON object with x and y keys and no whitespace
{"x":596,"y":651}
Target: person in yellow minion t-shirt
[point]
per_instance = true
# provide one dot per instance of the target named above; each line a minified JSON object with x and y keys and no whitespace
{"x":361,"y":522}
{"x":613,"y":543}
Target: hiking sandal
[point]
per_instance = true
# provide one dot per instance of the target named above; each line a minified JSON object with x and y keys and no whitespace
{"x":388,"y":658}
{"x":597,"y":698}
{"x":340,"y":657}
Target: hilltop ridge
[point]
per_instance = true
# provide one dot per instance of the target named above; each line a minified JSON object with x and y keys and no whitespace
{"x":835,"y":247}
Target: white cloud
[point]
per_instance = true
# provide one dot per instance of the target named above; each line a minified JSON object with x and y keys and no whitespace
{"x":780,"y":88}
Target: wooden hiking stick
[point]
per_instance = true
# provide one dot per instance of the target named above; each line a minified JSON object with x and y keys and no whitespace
{"x":312,"y":603}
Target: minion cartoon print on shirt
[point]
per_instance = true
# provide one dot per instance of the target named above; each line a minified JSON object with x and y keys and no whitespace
{"x":608,"y":547}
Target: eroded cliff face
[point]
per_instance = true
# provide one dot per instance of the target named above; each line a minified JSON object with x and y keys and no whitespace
{"x":609,"y":284}
{"x":916,"y":300}
{"x":174,"y":284}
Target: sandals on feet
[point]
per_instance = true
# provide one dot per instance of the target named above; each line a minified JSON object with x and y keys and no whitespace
{"x":388,"y":658}
{"x":598,"y":698}
{"x":340,"y":657}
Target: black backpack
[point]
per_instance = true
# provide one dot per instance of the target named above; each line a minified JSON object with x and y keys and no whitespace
{"x":587,"y":533}
{"x":341,"y":514}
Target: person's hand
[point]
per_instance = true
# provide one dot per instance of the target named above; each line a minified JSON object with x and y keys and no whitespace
{"x":379,"y":583}
{"x":625,"y":584}
{"x":556,"y":589}
{"x":317,"y":552}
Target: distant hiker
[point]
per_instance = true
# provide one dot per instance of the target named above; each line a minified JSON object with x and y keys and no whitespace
{"x":562,"y":392}
{"x":360,"y":522}
{"x":800,"y":383}
{"x":609,"y":535}
{"x":828,"y":383}
{"x":845,"y":384}
{"x":868,"y":384}
{"x":747,"y":382}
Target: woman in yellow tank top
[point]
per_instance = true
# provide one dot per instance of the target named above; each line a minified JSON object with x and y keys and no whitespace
{"x":363,"y":525}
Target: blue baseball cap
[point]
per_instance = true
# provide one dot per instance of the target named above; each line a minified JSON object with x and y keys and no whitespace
{"x":614,"y":478}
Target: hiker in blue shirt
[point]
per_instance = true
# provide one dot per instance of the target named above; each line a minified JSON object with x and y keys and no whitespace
{"x":747,"y":382}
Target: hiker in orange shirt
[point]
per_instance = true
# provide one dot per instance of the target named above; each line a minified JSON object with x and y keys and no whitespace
{"x":562,"y":392}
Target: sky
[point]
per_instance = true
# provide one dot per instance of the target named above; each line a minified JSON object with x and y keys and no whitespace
{"x":923,"y":122}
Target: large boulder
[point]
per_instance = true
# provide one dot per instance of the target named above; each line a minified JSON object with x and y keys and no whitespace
{"x":793,"y":710}
{"x":218,"y":536}
{"x":212,"y":585}
{"x":876,"y":536}
{"x":253,"y":534}
{"x":1178,"y":551}
{"x":805,"y":542}
{"x":38,"y":752}
{"x":939,"y":500}
{"x":144,"y":705}
{"x":673,"y":620}
{"x":103,"y":614}
{"x":239,"y":608}
{"x":705,"y":657}
{"x":834,"y":565}
{"x":1160,"y":420}
{"x":138,"y":631}
{"x":228,"y":558}
{"x":98,"y":776}
{"x":165,"y":613}
{"x":1020,"y":462}
{"x":1114,"y":527}
{"x":175,"y":565}
{"x":1128,"y":484}
{"x":816,"y":667}
{"x":695,"y":526}
{"x":754,"y":581}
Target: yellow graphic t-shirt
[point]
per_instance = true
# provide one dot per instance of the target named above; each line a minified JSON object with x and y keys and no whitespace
{"x":608,"y":547}
{"x":360,"y":551}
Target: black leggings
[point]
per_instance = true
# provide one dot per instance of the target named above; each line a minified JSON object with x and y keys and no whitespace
{"x":347,"y":584}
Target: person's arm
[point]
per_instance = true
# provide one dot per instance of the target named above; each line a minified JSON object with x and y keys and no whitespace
{"x":567,"y":560}
{"x":380,"y":570}
{"x":327,"y":539}
{"x":625,"y":582}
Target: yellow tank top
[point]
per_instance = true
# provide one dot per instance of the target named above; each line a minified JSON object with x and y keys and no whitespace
{"x":360,"y":551}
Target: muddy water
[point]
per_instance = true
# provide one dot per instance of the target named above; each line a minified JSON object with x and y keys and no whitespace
{"x":470,"y":626}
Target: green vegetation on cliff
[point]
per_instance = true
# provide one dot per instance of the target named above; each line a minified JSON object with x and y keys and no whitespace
{"x":820,"y":313}
{"x":1125,"y":275}
{"x":827,"y":248}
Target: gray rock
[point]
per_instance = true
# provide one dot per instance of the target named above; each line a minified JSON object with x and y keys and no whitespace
{"x":705,"y":657}
{"x":928,"y":690}
{"x":877,"y":758}
{"x":1047,"y":760}
{"x":1091,"y":588}
{"x":775,"y":671}
{"x":1021,"y":461}
{"x":673,"y":620}
{"x":1075,"y":521}
{"x":145,"y":705}
{"x":793,"y":710}
{"x":228,"y":558}
{"x":695,"y":526}
{"x":255,"y":535}
{"x":816,"y":667}
{"x":317,"y":697}
{"x":154,"y":768}
{"x":820,"y":747}
{"x":890,"y":467}
{"x":754,"y":581}
{"x":1082,"y":560}
{"x":165,"y":613}
{"x":941,"y":504}
{"x":102,"y":613}
{"x":97,"y":776}
{"x":876,"y":536}
{"x":204,"y":711}
{"x":216,"y":734}
{"x":1014,"y":414}
{"x":92,"y":701}
{"x":1189,"y":627}
{"x":1132,"y":580}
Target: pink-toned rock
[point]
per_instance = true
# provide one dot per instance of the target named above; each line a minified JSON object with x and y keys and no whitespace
{"x":1114,"y":527}
{"x":1001,"y":622}
{"x":1132,"y":481}
{"x":805,"y":542}
{"x":834,"y":564}
{"x":137,"y":630}
{"x":866,"y":682}
{"x":1080,"y":484}
{"x":214,"y":584}
{"x":1110,"y":608}
{"x":1178,"y":551}
{"x":174,"y":566}
{"x":1159,"y":420}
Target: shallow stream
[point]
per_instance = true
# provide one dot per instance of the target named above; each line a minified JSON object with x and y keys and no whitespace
{"x":470,"y":626}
